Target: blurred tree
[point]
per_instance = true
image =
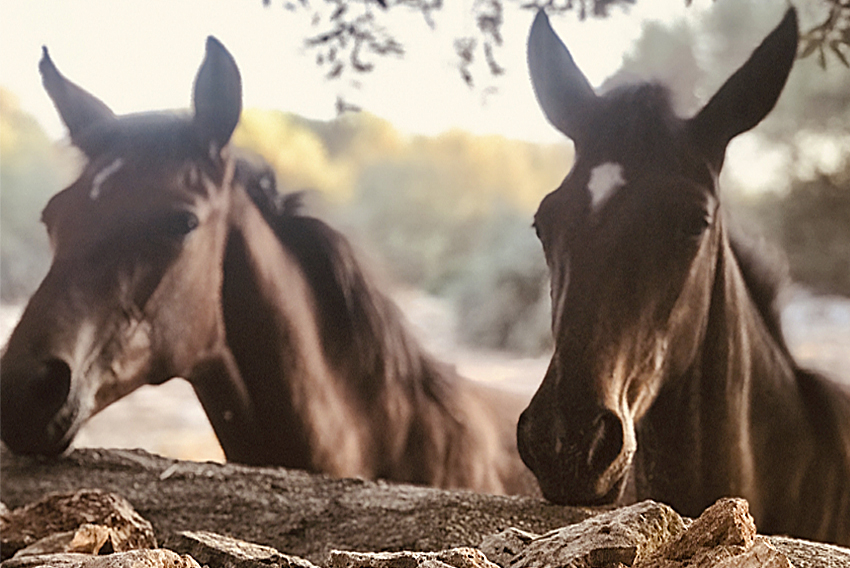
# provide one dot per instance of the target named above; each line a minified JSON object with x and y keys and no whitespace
{"x":811,"y":224}
{"x":296,"y":152}
{"x":30,"y":172}
{"x":667,"y":55}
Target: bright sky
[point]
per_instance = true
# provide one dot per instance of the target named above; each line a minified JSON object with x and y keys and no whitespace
{"x":141,"y":55}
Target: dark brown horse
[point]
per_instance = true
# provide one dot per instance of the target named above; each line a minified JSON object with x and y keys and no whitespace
{"x":671,"y":379}
{"x":173,"y":257}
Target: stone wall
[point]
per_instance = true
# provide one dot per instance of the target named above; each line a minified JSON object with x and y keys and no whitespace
{"x":230,"y":515}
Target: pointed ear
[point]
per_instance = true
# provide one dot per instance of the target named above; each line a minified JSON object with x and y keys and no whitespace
{"x":564,"y":93}
{"x":217,"y":97}
{"x":80,"y":111}
{"x":749,"y":94}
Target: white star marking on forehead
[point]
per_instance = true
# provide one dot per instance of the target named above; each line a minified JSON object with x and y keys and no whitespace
{"x":101,"y":177}
{"x":605,"y":179}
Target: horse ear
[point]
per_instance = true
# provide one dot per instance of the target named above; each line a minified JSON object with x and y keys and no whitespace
{"x":749,"y":94}
{"x":217,"y":97}
{"x":79,"y":109}
{"x":562,"y":90}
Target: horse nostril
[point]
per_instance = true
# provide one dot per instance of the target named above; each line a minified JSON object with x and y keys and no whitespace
{"x":51,"y":385}
{"x":606,"y":442}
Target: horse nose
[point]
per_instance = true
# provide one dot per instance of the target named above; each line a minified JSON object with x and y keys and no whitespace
{"x":52,"y":384}
{"x":606,"y":442}
{"x":522,"y":439}
{"x":29,"y":401}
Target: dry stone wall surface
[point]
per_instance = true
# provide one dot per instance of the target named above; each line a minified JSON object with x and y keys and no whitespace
{"x":205,"y":514}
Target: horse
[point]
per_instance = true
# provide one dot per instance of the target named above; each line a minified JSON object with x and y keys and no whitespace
{"x":173,"y":256}
{"x":671,"y":379}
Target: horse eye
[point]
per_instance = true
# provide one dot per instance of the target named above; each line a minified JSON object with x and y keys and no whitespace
{"x":695,"y":225}
{"x":179,"y":223}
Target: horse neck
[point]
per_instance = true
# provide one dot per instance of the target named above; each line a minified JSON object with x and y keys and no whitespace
{"x":767,"y":431}
{"x":741,"y":385}
{"x":273,"y":335}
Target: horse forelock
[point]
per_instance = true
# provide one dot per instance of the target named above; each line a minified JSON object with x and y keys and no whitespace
{"x":634,"y":125}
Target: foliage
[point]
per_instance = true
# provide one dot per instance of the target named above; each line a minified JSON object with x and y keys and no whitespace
{"x":353,"y":33}
{"x":297,"y":154}
{"x":30,"y":172}
{"x":832,"y":34}
{"x":810,"y":224}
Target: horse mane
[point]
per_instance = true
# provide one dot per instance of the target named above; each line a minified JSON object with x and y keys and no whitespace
{"x":766,"y":276}
{"x":363,"y":331}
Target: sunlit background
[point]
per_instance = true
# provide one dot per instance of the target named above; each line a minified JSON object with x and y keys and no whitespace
{"x":436,"y":180}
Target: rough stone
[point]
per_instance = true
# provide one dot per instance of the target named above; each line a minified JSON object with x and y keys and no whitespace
{"x":616,"y":537}
{"x":110,"y":522}
{"x":502,"y":547}
{"x":213,"y":549}
{"x":805,"y":554}
{"x":157,"y":558}
{"x":723,"y":536}
{"x":762,"y":554}
{"x":724,"y":529}
{"x":87,"y":539}
{"x":297,"y":513}
{"x":309,"y":515}
{"x":726,"y":523}
{"x":463,"y":557}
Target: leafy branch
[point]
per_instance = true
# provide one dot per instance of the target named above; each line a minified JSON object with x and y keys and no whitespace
{"x":832,"y":35}
{"x":351,"y":35}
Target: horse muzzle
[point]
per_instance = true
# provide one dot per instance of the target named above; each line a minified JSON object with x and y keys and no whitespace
{"x":577,"y":466}
{"x":36,"y":414}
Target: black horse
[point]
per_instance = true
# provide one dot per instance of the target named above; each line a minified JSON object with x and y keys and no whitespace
{"x":671,"y":379}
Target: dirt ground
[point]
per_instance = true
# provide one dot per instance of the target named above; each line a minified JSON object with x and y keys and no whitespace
{"x":168,"y":420}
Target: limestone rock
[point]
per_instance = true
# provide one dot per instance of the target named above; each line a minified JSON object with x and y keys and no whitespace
{"x":761,"y":555}
{"x":310,"y":515}
{"x":453,"y":558}
{"x":213,"y":549}
{"x":619,"y":536}
{"x":805,"y":554}
{"x":723,"y":536}
{"x":87,"y":539}
{"x":502,"y":547}
{"x":156,"y":558}
{"x":111,"y":524}
{"x":726,"y":523}
{"x":295,"y":512}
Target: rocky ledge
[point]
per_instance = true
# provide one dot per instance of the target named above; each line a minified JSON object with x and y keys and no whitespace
{"x":111,"y":508}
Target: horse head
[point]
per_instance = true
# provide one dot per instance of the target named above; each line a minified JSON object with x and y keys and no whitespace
{"x":632,"y":238}
{"x":130,"y":295}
